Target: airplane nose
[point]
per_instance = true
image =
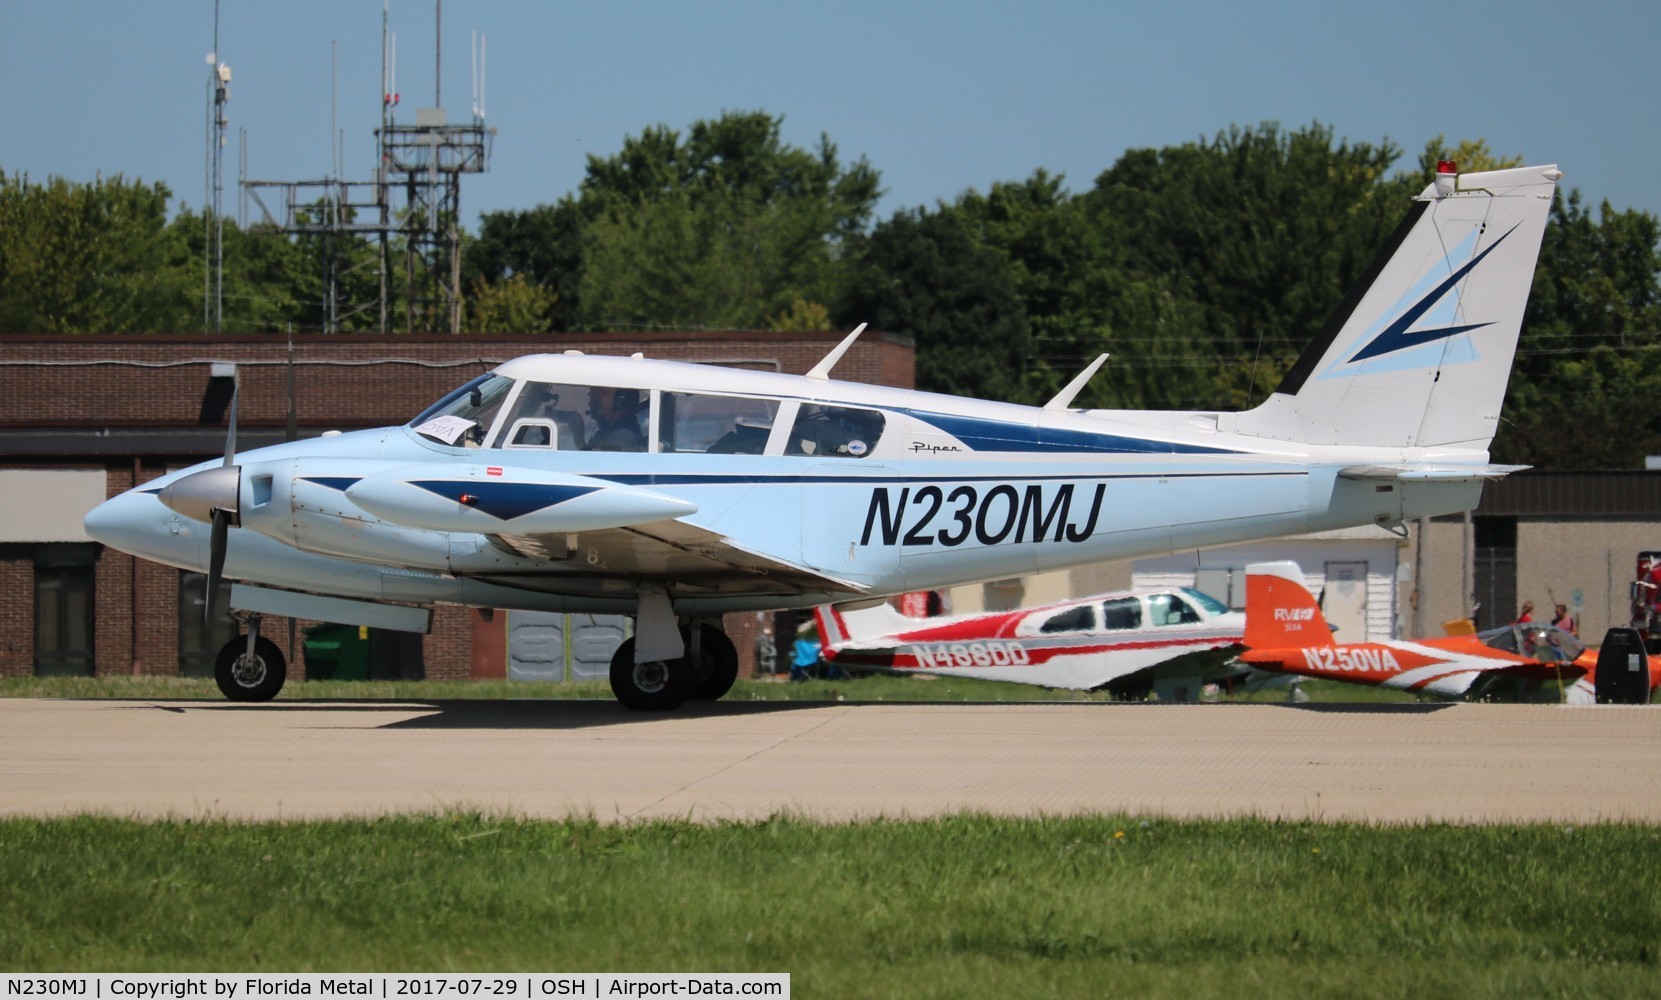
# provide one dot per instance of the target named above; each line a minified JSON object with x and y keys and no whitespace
{"x":135,"y":523}
{"x":105,"y":523}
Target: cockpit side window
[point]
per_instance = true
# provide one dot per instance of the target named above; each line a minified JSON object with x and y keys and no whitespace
{"x":726,"y":425}
{"x":834,"y":431}
{"x":464,"y":417}
{"x":547,"y":415}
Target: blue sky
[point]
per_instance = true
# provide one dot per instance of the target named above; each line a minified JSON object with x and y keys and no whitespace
{"x":939,"y":97}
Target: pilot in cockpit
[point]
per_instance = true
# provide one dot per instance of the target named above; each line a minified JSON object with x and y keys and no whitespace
{"x":616,"y":414}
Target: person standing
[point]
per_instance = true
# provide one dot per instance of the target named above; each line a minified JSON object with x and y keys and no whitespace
{"x":1565,"y":621}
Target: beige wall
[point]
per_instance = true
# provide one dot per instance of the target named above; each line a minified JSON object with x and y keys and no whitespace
{"x":1598,"y":558}
{"x":1554,"y":559}
{"x":48,"y":505}
{"x":1439,"y":590}
{"x":1041,"y":588}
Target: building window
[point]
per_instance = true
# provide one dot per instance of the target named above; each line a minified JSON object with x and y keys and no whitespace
{"x":63,"y":609}
{"x":199,"y":641}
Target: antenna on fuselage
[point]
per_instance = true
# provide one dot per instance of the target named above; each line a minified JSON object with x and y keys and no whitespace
{"x":1064,"y":398}
{"x":822,"y":370}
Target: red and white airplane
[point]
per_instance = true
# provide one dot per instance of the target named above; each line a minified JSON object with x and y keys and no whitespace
{"x":1170,"y":640}
{"x":1286,"y":632}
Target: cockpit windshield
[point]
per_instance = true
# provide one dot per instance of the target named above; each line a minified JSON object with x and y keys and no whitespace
{"x":463,"y":418}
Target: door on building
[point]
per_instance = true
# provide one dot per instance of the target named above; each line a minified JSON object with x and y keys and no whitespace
{"x":63,"y":609}
{"x":1495,"y":560}
{"x":1344,"y":601}
{"x":555,"y":646}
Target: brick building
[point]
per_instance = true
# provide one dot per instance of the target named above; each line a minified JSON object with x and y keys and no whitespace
{"x":84,"y":418}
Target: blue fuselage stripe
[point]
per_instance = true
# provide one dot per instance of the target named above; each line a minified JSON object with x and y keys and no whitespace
{"x":984,"y":435}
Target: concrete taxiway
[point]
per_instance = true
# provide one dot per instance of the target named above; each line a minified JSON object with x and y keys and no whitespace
{"x":294,"y":759}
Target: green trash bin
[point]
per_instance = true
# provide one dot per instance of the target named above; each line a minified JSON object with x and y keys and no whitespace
{"x":337,"y":653}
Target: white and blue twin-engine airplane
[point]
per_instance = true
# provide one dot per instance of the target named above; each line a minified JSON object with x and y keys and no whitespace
{"x":676,"y":492}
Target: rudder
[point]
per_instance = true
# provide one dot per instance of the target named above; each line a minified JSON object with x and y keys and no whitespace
{"x":1419,"y":353}
{"x":1280,"y":611}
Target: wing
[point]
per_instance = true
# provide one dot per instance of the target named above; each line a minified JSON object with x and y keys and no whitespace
{"x":691,"y":561}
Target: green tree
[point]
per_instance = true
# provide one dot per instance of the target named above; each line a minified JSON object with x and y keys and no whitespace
{"x":1587,"y":376}
{"x":929,"y":275}
{"x":726,"y":226}
{"x":515,"y":304}
{"x":542,"y":246}
{"x":724,"y":229}
{"x":1260,"y":231}
{"x":76,"y":258}
{"x":1060,"y":267}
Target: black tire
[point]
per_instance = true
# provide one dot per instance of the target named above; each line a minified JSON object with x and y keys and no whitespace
{"x":242,"y":679}
{"x":717,"y":668}
{"x":655,"y":686}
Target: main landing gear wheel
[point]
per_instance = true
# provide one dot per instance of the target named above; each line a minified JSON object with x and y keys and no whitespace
{"x":653,"y":686}
{"x":250,"y":678}
{"x":717,"y":667}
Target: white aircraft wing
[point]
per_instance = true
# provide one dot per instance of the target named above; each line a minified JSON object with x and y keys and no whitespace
{"x":696,"y":561}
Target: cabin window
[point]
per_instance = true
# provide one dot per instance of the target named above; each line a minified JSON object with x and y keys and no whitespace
{"x":1169,"y":609}
{"x":723,"y":425}
{"x":1121,"y":613}
{"x":834,"y":431}
{"x":1077,"y":619}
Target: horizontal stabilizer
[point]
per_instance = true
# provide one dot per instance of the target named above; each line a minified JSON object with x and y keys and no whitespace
{"x":1410,"y":472}
{"x":840,"y":624}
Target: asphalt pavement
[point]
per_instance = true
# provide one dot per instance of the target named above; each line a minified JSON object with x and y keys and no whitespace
{"x":833,"y":761}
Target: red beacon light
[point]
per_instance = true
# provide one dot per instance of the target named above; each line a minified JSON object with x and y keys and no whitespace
{"x":1447,"y":178}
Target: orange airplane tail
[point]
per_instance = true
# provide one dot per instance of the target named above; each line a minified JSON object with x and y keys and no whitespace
{"x":1280,"y":611}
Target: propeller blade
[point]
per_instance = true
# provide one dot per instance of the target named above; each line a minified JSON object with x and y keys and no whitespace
{"x":216,"y":565}
{"x":230,"y":435}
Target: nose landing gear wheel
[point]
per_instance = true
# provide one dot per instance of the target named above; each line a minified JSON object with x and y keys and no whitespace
{"x":250,"y":678}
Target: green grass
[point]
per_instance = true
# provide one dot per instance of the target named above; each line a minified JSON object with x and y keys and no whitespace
{"x":961,"y":906}
{"x":861,"y":689}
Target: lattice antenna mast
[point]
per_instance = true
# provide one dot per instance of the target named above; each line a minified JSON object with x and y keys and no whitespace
{"x":219,"y":92}
{"x":422,"y":164}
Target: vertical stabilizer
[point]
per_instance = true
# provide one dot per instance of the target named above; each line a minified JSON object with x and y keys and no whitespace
{"x":1418,"y":354}
{"x":1280,"y":611}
